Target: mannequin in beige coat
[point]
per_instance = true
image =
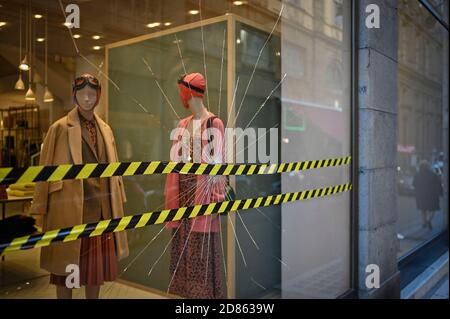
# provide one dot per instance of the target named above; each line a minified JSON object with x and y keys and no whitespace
{"x":62,"y":203}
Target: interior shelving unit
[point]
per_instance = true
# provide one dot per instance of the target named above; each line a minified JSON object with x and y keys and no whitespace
{"x":20,"y":135}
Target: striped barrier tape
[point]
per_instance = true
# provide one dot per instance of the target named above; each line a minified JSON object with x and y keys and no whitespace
{"x":54,"y":173}
{"x":160,"y":217}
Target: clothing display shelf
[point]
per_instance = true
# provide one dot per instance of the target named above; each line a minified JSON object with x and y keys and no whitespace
{"x":20,"y":135}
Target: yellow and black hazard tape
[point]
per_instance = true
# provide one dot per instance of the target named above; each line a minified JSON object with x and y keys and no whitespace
{"x":10,"y":175}
{"x":160,"y":217}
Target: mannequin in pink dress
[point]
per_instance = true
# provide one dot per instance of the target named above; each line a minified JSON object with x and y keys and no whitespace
{"x":195,"y":265}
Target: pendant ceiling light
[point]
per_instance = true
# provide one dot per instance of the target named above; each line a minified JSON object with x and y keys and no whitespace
{"x":24,"y":66}
{"x":48,"y":96}
{"x":19,"y":84}
{"x":29,"y":96}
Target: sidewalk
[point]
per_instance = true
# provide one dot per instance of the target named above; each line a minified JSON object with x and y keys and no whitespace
{"x":440,"y":291}
{"x":432,"y":283}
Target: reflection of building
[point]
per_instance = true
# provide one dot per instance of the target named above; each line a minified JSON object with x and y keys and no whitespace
{"x":317,"y":68}
{"x":422,"y":117}
{"x":315,"y":123}
{"x":420,"y":84}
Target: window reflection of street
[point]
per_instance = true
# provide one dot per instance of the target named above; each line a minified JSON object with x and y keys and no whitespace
{"x":420,"y":138}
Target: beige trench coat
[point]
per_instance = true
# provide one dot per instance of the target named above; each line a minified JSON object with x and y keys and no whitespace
{"x":61,"y":202}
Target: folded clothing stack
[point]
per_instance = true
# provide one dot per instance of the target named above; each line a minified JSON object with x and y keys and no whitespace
{"x":21,"y":190}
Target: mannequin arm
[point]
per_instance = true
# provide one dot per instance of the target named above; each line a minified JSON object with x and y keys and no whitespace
{"x":218,"y":144}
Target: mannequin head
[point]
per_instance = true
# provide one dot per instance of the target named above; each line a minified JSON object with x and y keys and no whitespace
{"x":86,"y":91}
{"x":86,"y":98}
{"x":191,"y":88}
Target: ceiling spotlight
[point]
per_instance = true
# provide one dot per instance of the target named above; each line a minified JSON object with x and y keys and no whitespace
{"x":153,"y":25}
{"x":40,"y":39}
{"x":96,"y":47}
{"x":167,"y":23}
{"x":67,"y":24}
{"x":38,"y":16}
{"x":95,"y":37}
{"x":238,"y":3}
{"x":193,"y":12}
{"x":77,"y":36}
{"x":2,"y":24}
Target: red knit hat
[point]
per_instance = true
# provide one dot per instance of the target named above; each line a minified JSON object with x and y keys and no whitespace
{"x":192,"y":84}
